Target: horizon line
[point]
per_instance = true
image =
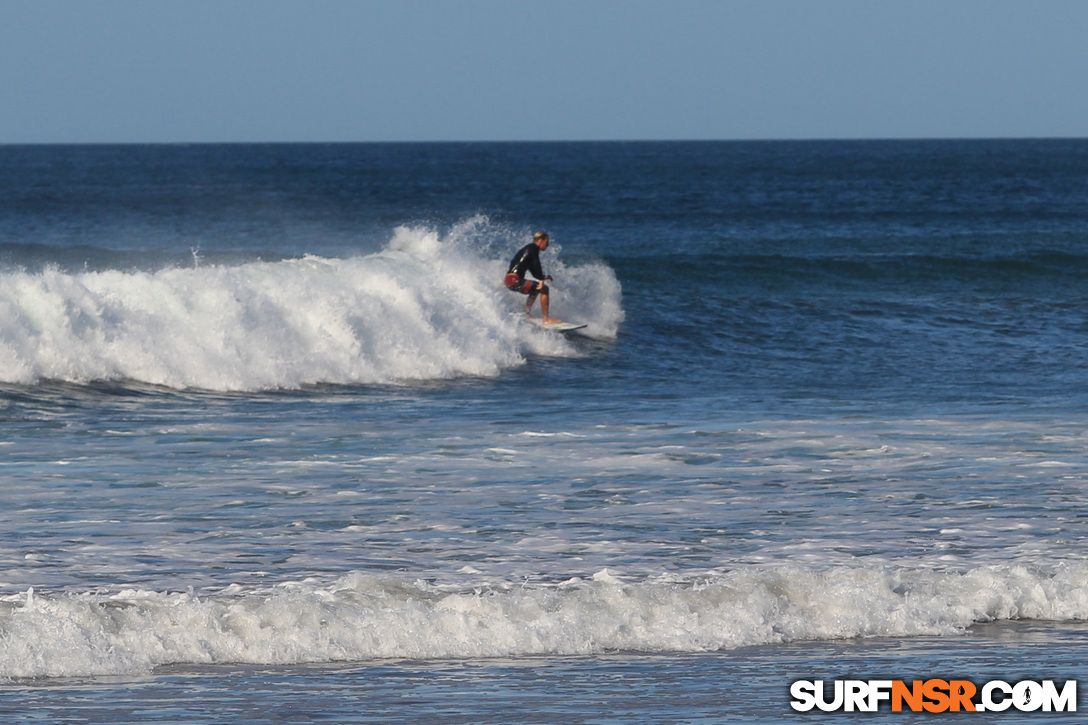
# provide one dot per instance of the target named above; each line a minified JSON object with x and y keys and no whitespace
{"x":860,"y":139}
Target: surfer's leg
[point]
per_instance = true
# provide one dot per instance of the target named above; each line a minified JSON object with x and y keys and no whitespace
{"x":544,"y":305}
{"x":529,"y":302}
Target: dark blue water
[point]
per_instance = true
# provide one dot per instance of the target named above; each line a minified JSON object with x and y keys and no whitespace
{"x":272,"y":426}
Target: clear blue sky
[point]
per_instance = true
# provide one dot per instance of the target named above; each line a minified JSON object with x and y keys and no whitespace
{"x":378,"y":70}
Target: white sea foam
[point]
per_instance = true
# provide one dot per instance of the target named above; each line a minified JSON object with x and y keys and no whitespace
{"x":361,"y":617}
{"x":428,"y":306}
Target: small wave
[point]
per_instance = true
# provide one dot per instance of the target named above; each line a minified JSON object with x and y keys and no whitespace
{"x":924,"y":273}
{"x":425,"y":307}
{"x":361,"y":617}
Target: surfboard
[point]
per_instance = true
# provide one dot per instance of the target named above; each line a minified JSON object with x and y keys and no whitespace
{"x":559,"y":326}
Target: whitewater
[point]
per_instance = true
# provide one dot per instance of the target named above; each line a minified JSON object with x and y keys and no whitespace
{"x":363,"y":617}
{"x":423,"y":308}
{"x":510,"y":541}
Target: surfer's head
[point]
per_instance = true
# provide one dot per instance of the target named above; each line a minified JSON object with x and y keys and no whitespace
{"x":541,"y":239}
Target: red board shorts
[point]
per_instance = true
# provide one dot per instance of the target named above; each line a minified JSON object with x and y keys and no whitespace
{"x":520,"y":284}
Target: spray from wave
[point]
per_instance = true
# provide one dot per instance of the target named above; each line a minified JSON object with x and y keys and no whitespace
{"x":427,"y":306}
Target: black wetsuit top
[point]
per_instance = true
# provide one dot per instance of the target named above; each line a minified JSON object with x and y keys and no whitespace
{"x":527,"y":258}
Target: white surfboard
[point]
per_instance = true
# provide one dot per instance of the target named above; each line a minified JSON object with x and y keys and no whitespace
{"x":559,"y":326}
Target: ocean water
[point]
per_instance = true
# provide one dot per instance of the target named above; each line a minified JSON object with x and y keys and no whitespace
{"x":277,"y":446}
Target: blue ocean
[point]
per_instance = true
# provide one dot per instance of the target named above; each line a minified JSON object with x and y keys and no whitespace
{"x":277,"y":446}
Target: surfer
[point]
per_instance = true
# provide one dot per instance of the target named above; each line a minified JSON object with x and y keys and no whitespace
{"x":528,"y":260}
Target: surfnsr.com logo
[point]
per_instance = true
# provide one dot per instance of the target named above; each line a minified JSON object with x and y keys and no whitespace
{"x":934,"y":696}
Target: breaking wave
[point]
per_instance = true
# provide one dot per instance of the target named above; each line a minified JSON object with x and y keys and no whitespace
{"x":427,"y":306}
{"x":361,"y":617}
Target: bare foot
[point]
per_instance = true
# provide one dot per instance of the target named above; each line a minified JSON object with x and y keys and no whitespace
{"x":551,"y":320}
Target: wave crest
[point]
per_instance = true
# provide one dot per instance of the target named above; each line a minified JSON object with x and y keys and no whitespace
{"x":425,"y":307}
